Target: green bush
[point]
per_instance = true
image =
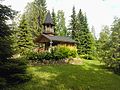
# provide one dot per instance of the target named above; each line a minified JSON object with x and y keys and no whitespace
{"x":19,"y":78}
{"x":13,"y":67}
{"x":88,"y":57}
{"x":39,"y":56}
{"x":2,"y":82}
{"x":63,"y":51}
{"x":48,"y":56}
{"x":73,"y":52}
{"x":115,"y":64}
{"x":57,"y":53}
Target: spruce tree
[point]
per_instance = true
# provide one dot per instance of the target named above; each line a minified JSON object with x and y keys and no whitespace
{"x":35,"y":14}
{"x":111,"y":49}
{"x":5,"y":41}
{"x":102,"y":41}
{"x":61,"y":28}
{"x":11,"y":70}
{"x":73,"y":23}
{"x":115,"y":45}
{"x":83,"y":36}
{"x":24,"y":37}
{"x":29,"y":27}
{"x":93,"y":32}
{"x":54,"y":20}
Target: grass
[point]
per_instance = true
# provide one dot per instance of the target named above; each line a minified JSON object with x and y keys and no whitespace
{"x":89,"y":76}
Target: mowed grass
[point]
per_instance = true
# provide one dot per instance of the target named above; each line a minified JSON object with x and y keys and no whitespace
{"x":89,"y":76}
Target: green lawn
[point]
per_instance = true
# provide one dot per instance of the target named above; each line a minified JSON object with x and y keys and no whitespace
{"x":89,"y":76}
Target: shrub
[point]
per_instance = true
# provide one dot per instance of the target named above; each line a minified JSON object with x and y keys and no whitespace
{"x":57,"y":53}
{"x":115,"y":64}
{"x":2,"y":82}
{"x":39,"y":56}
{"x":48,"y":56}
{"x":19,"y":78}
{"x":72,"y":52}
{"x":63,"y":51}
{"x":13,"y":67}
{"x":88,"y":57}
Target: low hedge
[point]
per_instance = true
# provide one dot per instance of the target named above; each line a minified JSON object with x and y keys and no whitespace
{"x":2,"y":82}
{"x":88,"y":57}
{"x":13,"y":71}
{"x":57,"y":53}
{"x":39,"y":56}
{"x":63,"y":51}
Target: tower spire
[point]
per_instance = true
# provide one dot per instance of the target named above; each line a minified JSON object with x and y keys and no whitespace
{"x":48,"y":19}
{"x":48,"y":25}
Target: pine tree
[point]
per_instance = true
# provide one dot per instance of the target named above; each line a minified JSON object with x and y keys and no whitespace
{"x":11,"y":71}
{"x":73,"y":23}
{"x":104,"y":38}
{"x":54,"y":20}
{"x":29,"y":27}
{"x":5,"y":41}
{"x":93,"y":32}
{"x":111,"y":47}
{"x":115,"y":42}
{"x":35,"y":15}
{"x":84,"y":37}
{"x":61,"y":28}
{"x":24,"y":38}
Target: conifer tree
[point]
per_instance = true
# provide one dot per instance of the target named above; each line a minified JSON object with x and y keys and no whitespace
{"x":24,"y":37}
{"x":111,"y":49}
{"x":73,"y":23}
{"x":35,"y":15}
{"x":5,"y":41}
{"x":101,"y":42}
{"x":93,"y":32}
{"x":61,"y":28}
{"x":54,"y":20}
{"x":83,"y":36}
{"x":11,"y":70}
{"x":29,"y":26}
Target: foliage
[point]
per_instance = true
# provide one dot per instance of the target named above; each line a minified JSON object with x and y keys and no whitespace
{"x":57,"y":53}
{"x":84,"y":37}
{"x":73,"y":23}
{"x":5,"y":41}
{"x":63,"y":51}
{"x":100,"y":43}
{"x":23,"y":38}
{"x":29,"y":27}
{"x":110,"y":50}
{"x":35,"y":14}
{"x":89,"y":76}
{"x":19,"y":78}
{"x":2,"y":82}
{"x":14,"y":71}
{"x":81,"y":33}
{"x":88,"y":57}
{"x":8,"y":67}
{"x":54,"y":18}
{"x":40,"y":56}
{"x":93,"y":32}
{"x":61,"y":29}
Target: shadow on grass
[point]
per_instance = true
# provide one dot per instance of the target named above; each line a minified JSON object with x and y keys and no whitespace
{"x":72,"y":77}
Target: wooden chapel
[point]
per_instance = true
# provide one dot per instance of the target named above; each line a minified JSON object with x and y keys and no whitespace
{"x":48,"y":38}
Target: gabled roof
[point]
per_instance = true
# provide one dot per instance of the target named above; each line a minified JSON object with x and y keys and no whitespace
{"x":48,"y":19}
{"x":59,"y":38}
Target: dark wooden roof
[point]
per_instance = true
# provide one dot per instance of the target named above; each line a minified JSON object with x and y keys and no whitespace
{"x":48,"y":19}
{"x":59,"y":38}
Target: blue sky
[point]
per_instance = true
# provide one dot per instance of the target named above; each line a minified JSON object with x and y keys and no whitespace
{"x":99,"y":12}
